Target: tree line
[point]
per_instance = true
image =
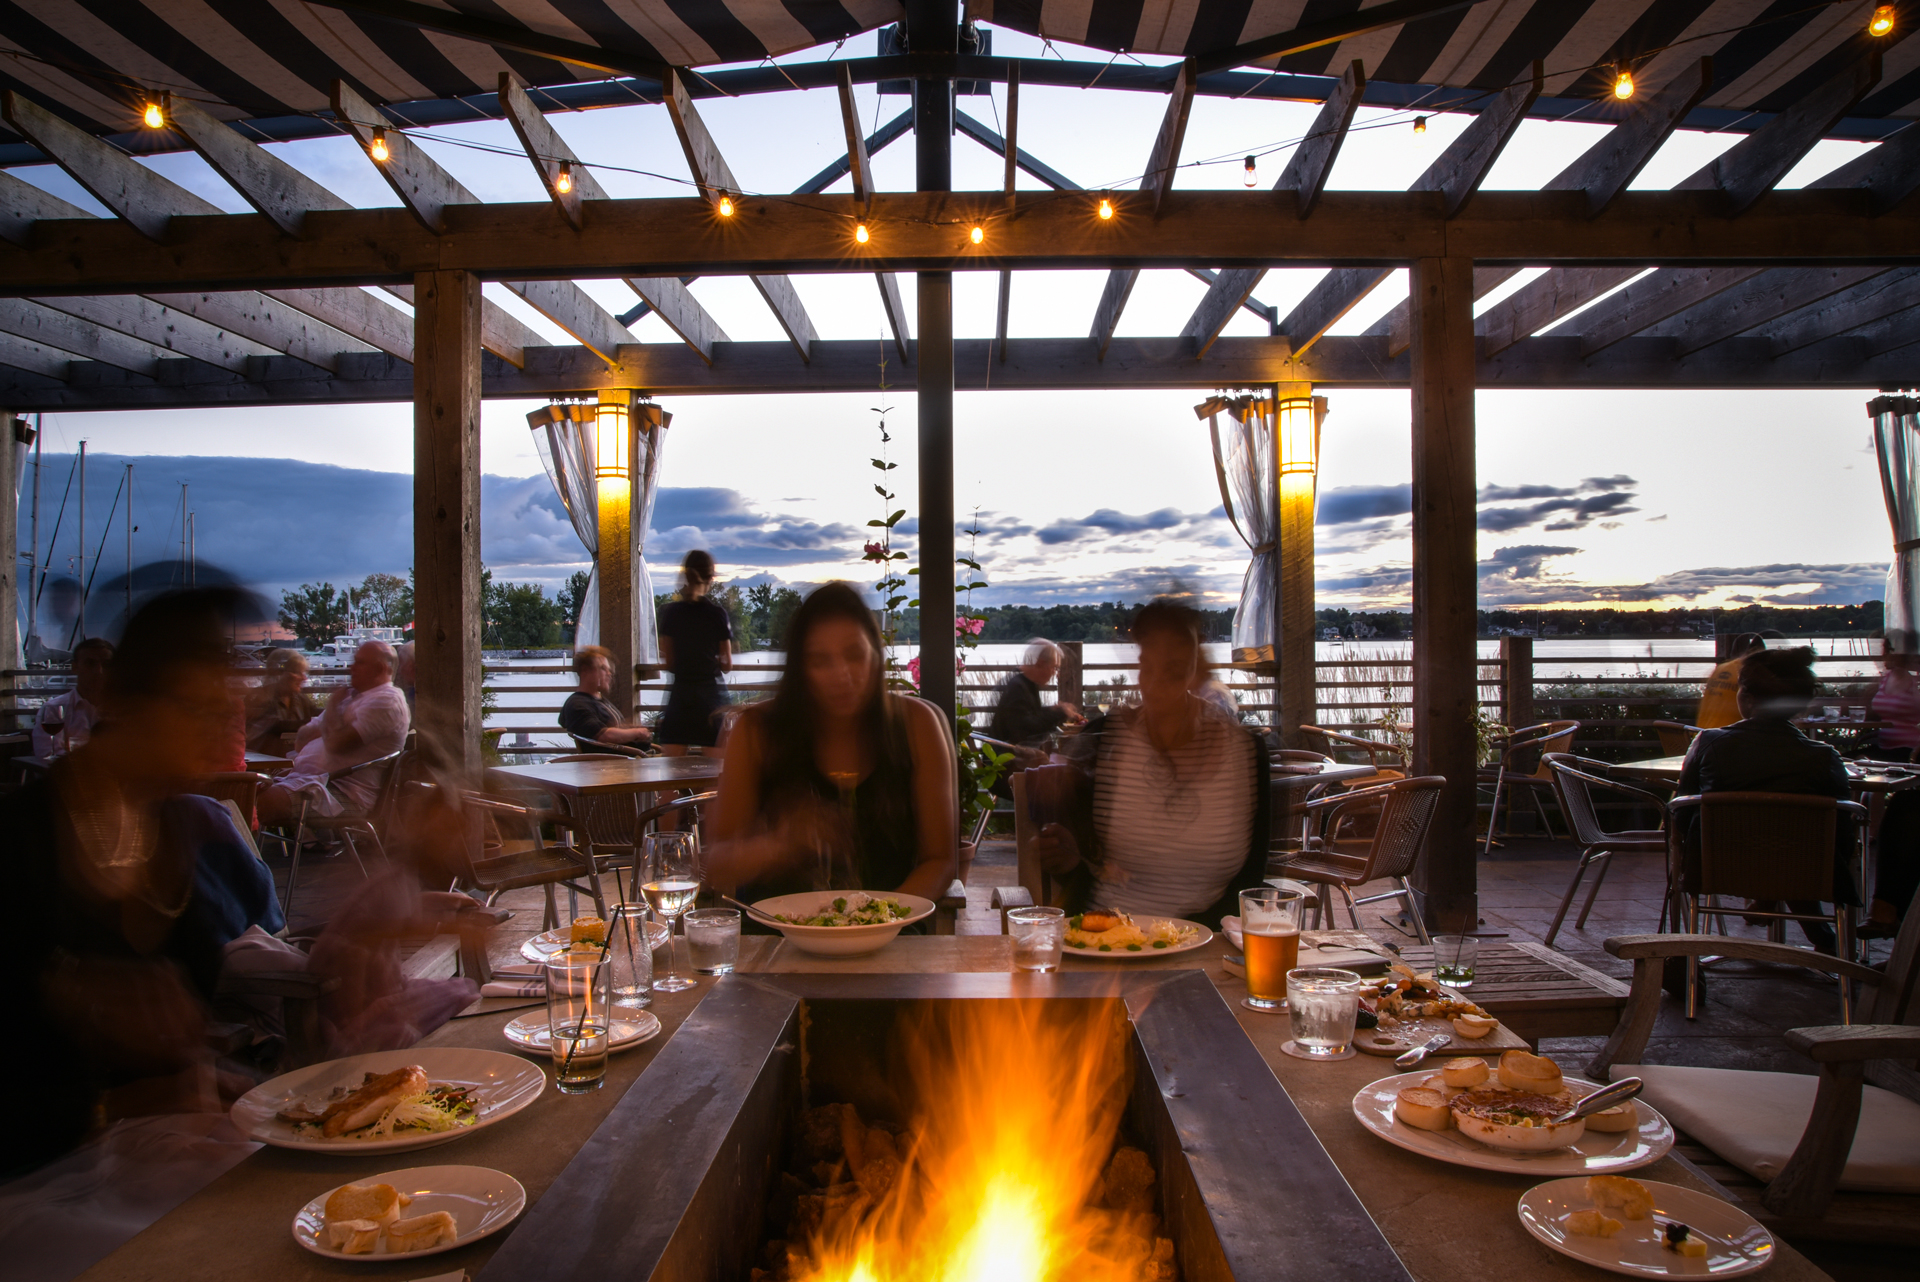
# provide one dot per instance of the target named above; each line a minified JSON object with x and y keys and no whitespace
{"x":513,"y":616}
{"x":1864,"y":619}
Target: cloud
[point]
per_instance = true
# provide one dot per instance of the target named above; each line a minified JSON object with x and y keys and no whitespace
{"x":1350,"y":504}
{"x":1522,"y":562}
{"x":1575,"y":508}
{"x":1106,"y":521}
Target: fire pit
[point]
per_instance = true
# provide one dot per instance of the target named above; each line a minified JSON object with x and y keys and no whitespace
{"x":995,"y":1103}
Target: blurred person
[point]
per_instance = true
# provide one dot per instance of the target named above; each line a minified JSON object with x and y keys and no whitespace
{"x":1719,"y":703}
{"x":835,"y":782}
{"x":1897,"y":844}
{"x":588,"y":715}
{"x":280,"y":705}
{"x":1019,"y":717}
{"x":1765,"y":752}
{"x":403,"y":672}
{"x":80,"y":706}
{"x":696,"y":646}
{"x":1164,"y":811}
{"x":1208,"y":686}
{"x":366,"y":721}
{"x":130,"y":890}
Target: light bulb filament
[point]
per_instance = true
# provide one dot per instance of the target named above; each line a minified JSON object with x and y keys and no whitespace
{"x":1106,"y":208}
{"x":563,"y":182}
{"x":1623,"y":84}
{"x":153,"y":117}
{"x":725,"y":206}
{"x":978,"y":235}
{"x":1881,"y":22}
{"x":378,"y":148}
{"x":860,"y":233}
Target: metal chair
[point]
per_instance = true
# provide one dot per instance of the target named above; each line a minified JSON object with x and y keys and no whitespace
{"x":1331,"y":743}
{"x":241,"y":787}
{"x":346,"y":825}
{"x":1675,"y":737}
{"x":1399,"y":813}
{"x":1523,"y":767}
{"x":593,"y":747}
{"x":537,"y":864}
{"x":687,"y":809}
{"x":1578,"y":776}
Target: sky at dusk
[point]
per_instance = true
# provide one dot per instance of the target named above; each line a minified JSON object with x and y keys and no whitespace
{"x":1630,"y":497}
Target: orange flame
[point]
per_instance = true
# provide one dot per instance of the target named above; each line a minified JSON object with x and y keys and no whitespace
{"x":1001,"y":1175}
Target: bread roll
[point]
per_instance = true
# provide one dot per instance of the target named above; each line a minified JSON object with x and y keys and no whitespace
{"x":1474,"y":1026}
{"x":587,"y":930}
{"x":421,"y":1232}
{"x":1520,"y":1071}
{"x":1591,"y":1224}
{"x":377,"y":1202}
{"x":1464,"y":1072}
{"x":1423,"y":1107}
{"x":1618,"y":1195}
{"x":1621,"y":1117}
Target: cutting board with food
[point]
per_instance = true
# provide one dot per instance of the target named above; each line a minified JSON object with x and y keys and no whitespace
{"x":1404,"y":1008}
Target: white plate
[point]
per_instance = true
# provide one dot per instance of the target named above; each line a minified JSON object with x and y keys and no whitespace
{"x":1591,"y":1154}
{"x":838,"y":941}
{"x":530,"y":1031}
{"x":543,"y":946}
{"x":1736,"y":1243}
{"x":502,"y":1084}
{"x":479,"y":1200}
{"x":1147,"y":951}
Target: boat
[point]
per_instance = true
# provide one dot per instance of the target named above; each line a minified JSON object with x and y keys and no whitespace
{"x":338,"y":653}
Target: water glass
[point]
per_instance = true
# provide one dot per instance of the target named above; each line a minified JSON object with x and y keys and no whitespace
{"x":1323,"y":1003}
{"x":713,"y":938}
{"x":1038,"y":934}
{"x":1453,"y":959}
{"x":1270,"y":939}
{"x":579,"y":1022}
{"x":631,"y":956}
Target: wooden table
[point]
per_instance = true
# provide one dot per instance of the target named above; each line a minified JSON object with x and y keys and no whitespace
{"x":609,"y":774}
{"x":1447,"y":1223}
{"x":1867,"y":782}
{"x":1538,"y":992}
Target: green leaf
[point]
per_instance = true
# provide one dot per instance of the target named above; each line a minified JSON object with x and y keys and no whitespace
{"x":914,"y":570}
{"x":979,"y":583}
{"x":896,"y":516}
{"x":971,"y":565}
{"x":882,"y":524}
{"x":881,"y":490}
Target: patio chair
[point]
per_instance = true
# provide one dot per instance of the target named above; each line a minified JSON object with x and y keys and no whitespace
{"x":1824,"y":1157}
{"x":1332,"y":744}
{"x":348,"y":826}
{"x":593,"y":747}
{"x":1398,"y":813}
{"x":687,"y":810}
{"x":1578,"y":777}
{"x":1522,"y":768}
{"x":1759,"y":846}
{"x":241,"y":787}
{"x":534,"y":864}
{"x":1675,"y":737}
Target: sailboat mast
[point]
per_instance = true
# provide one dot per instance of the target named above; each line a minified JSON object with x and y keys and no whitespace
{"x":193,"y":555}
{"x":129,"y":543}
{"x":183,"y":533}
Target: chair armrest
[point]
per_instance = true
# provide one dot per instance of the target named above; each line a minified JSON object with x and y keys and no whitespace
{"x":1012,"y":897}
{"x":1342,"y":798}
{"x":955,"y":895}
{"x":1840,"y":1043}
{"x":1637,"y":947}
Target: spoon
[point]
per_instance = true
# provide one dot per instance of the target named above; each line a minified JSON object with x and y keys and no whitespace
{"x":1601,"y":1100}
{"x":1413,"y":1057}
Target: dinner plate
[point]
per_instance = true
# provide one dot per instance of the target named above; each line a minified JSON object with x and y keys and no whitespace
{"x":1736,"y":1243}
{"x":481,"y":1202}
{"x":502,"y":1084}
{"x":1592,"y":1154}
{"x":1147,"y":951}
{"x":531,"y":1031}
{"x":544,"y":945}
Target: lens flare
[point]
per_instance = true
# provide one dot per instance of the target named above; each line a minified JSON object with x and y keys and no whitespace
{"x":378,"y":148}
{"x":153,"y":116}
{"x":1623,"y":85}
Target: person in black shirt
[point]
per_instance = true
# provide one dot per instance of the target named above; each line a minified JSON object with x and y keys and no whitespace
{"x":696,"y":645}
{"x":587,"y":716}
{"x":1019,"y":717}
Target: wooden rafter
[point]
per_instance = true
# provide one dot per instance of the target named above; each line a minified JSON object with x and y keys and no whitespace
{"x":1760,"y":301}
{"x":164,"y":327}
{"x":860,"y":169}
{"x":1010,"y":154}
{"x":35,"y":358}
{"x":67,"y":333}
{"x":282,"y":326}
{"x":1872,"y":300}
{"x":1155,"y":182}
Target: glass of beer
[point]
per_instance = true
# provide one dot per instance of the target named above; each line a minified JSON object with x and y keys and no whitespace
{"x":1270,"y":933}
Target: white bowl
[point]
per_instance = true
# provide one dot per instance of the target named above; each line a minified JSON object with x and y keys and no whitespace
{"x":838,"y":941}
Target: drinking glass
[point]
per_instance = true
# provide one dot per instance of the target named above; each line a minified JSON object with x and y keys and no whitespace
{"x":1453,"y":958}
{"x":713,"y":940}
{"x":1038,"y":934}
{"x":579,"y":1021}
{"x":53,"y":720}
{"x":1322,"y":1003}
{"x":672,"y":880}
{"x":631,"y":956}
{"x":1270,"y":933}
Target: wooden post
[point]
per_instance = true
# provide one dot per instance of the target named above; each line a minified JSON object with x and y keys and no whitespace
{"x":1516,"y":703}
{"x":1445,"y":588}
{"x":931,"y":28}
{"x":446,"y":515}
{"x":617,"y":606}
{"x":1293,"y":631}
{"x":1071,"y":680}
{"x":16,"y":430}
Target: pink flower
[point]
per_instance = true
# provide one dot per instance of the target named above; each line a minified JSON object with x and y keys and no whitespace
{"x":874,"y":552}
{"x":913,"y":669}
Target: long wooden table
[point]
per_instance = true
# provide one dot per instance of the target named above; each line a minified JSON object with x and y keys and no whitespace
{"x":609,"y":774}
{"x":1446,"y":1223}
{"x":1538,"y":992}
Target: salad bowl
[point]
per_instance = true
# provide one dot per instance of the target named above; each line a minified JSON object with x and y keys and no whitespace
{"x":852,"y":923}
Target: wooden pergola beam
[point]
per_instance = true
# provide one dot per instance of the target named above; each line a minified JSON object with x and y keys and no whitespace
{"x":35,"y":358}
{"x":1155,"y":182}
{"x":1604,"y":169}
{"x":164,"y":327}
{"x":22,"y":205}
{"x":272,"y":324}
{"x":860,"y":169}
{"x":65,"y":332}
{"x":1871,"y":300}
{"x":1760,"y":301}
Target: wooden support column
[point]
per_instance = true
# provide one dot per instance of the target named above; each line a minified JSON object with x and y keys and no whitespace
{"x":932,"y":27}
{"x":15,"y":431}
{"x":446,"y":515}
{"x":1295,"y":701}
{"x":1445,"y":589}
{"x":1516,"y":681}
{"x":615,"y":499}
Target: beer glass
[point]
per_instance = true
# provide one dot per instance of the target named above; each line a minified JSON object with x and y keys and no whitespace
{"x":1270,"y":936}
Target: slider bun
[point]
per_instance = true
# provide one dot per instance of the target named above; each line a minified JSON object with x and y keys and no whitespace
{"x":1621,"y":1117}
{"x":1618,"y":1195}
{"x":1474,"y":1026}
{"x":1591,"y":1224}
{"x":1423,"y":1107}
{"x":421,"y":1233}
{"x":353,"y":1237}
{"x":1520,"y":1071}
{"x":377,"y":1202}
{"x":587,"y":929}
{"x":1465,"y":1071}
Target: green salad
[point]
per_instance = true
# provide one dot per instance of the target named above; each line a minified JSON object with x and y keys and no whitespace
{"x":852,"y":910}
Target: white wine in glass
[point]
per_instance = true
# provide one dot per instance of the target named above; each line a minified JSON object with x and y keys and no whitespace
{"x":672,"y":879}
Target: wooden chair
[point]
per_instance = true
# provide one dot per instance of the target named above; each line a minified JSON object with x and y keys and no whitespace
{"x":1578,"y":776}
{"x":536,"y":863}
{"x":1331,"y":744}
{"x":1675,"y":737}
{"x":1759,"y":846}
{"x":1398,"y":814}
{"x":1033,"y":878}
{"x":1523,"y":768}
{"x":1809,"y":1157}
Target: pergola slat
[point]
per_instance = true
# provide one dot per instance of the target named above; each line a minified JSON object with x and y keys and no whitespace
{"x":22,"y":204}
{"x":1765,"y":298}
{"x":165,"y":327}
{"x":25,"y":354}
{"x":64,"y":332}
{"x":270,"y":323}
{"x":1654,"y":298}
{"x":1869,"y":301}
{"x":860,"y":169}
{"x":144,"y":199}
{"x":1155,"y":182}
{"x":1605,"y":169}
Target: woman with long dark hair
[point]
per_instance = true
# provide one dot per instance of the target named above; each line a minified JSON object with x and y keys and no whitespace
{"x":696,"y":645}
{"x":835,"y":782}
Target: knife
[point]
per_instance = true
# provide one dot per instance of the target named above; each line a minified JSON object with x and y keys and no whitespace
{"x":1601,"y":1100}
{"x":1413,"y":1057}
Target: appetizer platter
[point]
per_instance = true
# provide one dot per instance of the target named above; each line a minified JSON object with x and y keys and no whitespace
{"x":1650,"y":1229}
{"x":1498,"y":1117}
{"x":531,"y":1032}
{"x":388,"y":1101}
{"x":1101,"y":936}
{"x":547,"y":945}
{"x":1405,"y":1007}
{"x":421,"y":1211}
{"x":842,"y":923}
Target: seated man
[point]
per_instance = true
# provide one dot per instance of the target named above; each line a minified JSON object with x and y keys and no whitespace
{"x":587,"y":715}
{"x":1019,"y":717}
{"x":80,"y":706}
{"x":280,"y":705}
{"x":363,"y":722}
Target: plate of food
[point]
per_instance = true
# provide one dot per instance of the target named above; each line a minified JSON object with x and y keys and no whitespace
{"x":531,"y":1032}
{"x":388,"y":1101}
{"x":1498,"y":1118}
{"x":421,"y":1211}
{"x":1102,"y":936}
{"x":582,"y":932}
{"x":842,"y":923}
{"x":1649,"y":1230}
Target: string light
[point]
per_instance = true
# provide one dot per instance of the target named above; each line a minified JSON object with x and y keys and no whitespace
{"x":153,"y":116}
{"x":1623,"y":84}
{"x":725,"y":206}
{"x":1106,"y":207}
{"x":1881,"y":22}
{"x":564,"y":182}
{"x":1419,"y":125}
{"x":1252,"y":177}
{"x":860,"y":233}
{"x":978,"y":235}
{"x":378,"y":148}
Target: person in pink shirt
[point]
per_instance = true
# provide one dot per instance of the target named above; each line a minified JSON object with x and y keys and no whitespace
{"x":1897,"y":844}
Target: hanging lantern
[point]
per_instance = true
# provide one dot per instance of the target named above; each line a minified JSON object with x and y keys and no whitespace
{"x":1299,"y":437}
{"x":613,"y":441}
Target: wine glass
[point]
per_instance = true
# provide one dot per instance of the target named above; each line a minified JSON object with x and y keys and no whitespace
{"x":672,"y":880}
{"x":53,"y":720}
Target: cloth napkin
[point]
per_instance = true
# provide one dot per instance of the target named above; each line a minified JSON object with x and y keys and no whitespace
{"x":516,"y":981}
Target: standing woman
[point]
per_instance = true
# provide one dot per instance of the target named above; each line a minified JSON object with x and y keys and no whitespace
{"x":696,"y":645}
{"x":836,"y":783}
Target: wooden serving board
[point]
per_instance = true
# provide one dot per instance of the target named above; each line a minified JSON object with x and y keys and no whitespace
{"x":1415,"y":1031}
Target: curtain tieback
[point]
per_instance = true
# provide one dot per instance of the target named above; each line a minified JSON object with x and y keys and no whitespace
{"x":1905,"y":545}
{"x":1261,"y":549}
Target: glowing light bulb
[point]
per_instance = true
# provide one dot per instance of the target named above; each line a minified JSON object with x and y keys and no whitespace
{"x":1106,"y":208}
{"x":378,"y":148}
{"x":563,"y":183}
{"x":860,"y":233}
{"x":1419,"y":125}
{"x":725,"y":206}
{"x":1623,"y":84}
{"x":1881,"y":22}
{"x":1252,"y":177}
{"x":978,"y":235}
{"x":153,"y":117}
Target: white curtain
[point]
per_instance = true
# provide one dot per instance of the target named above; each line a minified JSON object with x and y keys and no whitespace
{"x":649,"y":439}
{"x":1244,"y":460}
{"x":1896,"y":435}
{"x":564,"y":435}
